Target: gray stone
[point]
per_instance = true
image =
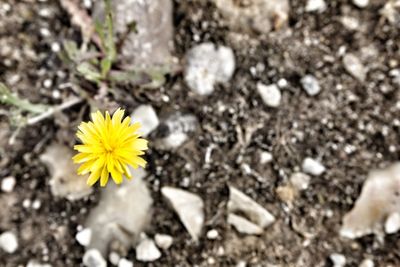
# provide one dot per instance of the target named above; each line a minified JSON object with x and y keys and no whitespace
{"x":176,"y":129}
{"x":153,"y":41}
{"x":354,"y":67}
{"x":147,"y":117}
{"x":260,"y":16}
{"x":270,"y":94}
{"x":64,"y":181}
{"x":122,"y":213}
{"x":189,"y":208}
{"x":206,"y":65}
{"x":310,"y":85}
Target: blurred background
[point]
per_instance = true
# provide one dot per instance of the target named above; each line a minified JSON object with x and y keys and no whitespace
{"x":264,"y":120}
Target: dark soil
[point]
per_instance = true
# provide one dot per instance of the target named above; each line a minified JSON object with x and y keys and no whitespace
{"x":363,"y":115}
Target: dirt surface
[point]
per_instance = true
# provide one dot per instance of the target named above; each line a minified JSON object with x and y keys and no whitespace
{"x":351,"y":127}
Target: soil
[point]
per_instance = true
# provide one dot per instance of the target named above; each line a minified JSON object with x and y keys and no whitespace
{"x":351,"y":127}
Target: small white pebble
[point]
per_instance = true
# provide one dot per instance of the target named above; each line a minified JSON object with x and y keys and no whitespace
{"x":265,"y":157}
{"x":55,"y":47}
{"x":8,"y":184}
{"x":125,"y":263}
{"x":270,"y":94}
{"x":8,"y":242}
{"x":114,"y":258}
{"x":93,"y":258}
{"x":361,"y":3}
{"x":44,"y":32}
{"x":392,"y":224}
{"x":212,"y":234}
{"x":315,"y":5}
{"x":163,"y":241}
{"x":26,"y":203}
{"x":36,"y":204}
{"x":282,"y":83}
{"x":47,"y":83}
{"x":338,"y":260}
{"x":313,"y":167}
{"x":367,"y":263}
{"x":310,"y":85}
{"x":84,"y":237}
{"x":56,"y":94}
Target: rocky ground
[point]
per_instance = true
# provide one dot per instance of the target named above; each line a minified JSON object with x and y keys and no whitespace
{"x":270,"y":119}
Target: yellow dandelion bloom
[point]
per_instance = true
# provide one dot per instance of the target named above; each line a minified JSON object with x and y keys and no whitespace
{"x":109,"y":145}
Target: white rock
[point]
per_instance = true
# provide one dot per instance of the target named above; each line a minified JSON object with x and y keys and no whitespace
{"x":126,"y":222}
{"x":125,"y":263}
{"x":241,"y":264}
{"x":392,"y":224}
{"x":163,"y":241}
{"x":350,"y":23}
{"x":36,"y":204}
{"x":64,"y":182}
{"x":391,"y":11}
{"x":282,"y":83}
{"x":189,"y":208}
{"x":300,"y":180}
{"x":380,"y":197}
{"x":8,"y":242}
{"x":243,"y":225}
{"x":34,"y":263}
{"x":354,"y":67}
{"x":242,"y":203}
{"x":265,"y":157}
{"x":310,"y":85}
{"x":114,"y":258}
{"x":8,"y":184}
{"x":338,"y":260}
{"x":361,"y":3}
{"x":313,"y":167}
{"x":315,"y":5}
{"x":212,"y":234}
{"x":208,"y":65}
{"x":147,"y":117}
{"x":93,"y":258}
{"x":367,"y":263}
{"x":270,"y":94}
{"x":147,"y":251}
{"x":83,"y":237}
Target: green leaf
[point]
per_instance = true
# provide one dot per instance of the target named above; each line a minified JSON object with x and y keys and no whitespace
{"x":89,"y":72}
{"x":7,"y":97}
{"x":105,"y":66}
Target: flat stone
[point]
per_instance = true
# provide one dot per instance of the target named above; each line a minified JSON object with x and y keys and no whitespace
{"x":8,"y":242}
{"x":147,"y":117}
{"x":206,"y":65}
{"x":64,"y":181}
{"x":189,"y":208}
{"x":243,"y":225}
{"x":147,"y":251}
{"x":126,"y":222}
{"x":242,"y":203}
{"x":270,"y":94}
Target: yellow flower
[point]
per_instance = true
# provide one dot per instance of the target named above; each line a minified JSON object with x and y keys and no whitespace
{"x":109,"y":146}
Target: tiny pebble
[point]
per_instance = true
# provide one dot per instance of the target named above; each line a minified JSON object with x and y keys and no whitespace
{"x":36,"y":204}
{"x":392,"y":224}
{"x":310,"y":85}
{"x":8,"y":184}
{"x":338,"y":260}
{"x":114,"y":258}
{"x":300,"y":180}
{"x":93,"y":258}
{"x":125,"y":263}
{"x":367,"y":263}
{"x":163,"y":241}
{"x":84,"y":237}
{"x":212,"y":234}
{"x":313,"y":167}
{"x":8,"y":242}
{"x":270,"y":94}
{"x":265,"y":157}
{"x":361,"y":3}
{"x":315,"y":5}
